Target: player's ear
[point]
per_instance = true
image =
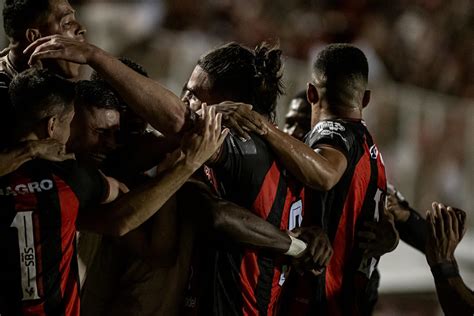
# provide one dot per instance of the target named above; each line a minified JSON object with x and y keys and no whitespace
{"x":366,"y":98}
{"x":52,"y":125}
{"x":312,"y":93}
{"x":32,"y":35}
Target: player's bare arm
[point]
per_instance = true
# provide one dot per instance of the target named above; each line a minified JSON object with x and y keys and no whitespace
{"x":49,"y":149}
{"x":319,"y":169}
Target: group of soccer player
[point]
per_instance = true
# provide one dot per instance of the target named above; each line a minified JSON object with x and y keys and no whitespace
{"x":118,"y":197}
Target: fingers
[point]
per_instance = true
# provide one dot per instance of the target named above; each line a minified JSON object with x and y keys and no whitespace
{"x":243,"y":135}
{"x":454,"y":223}
{"x":38,"y":42}
{"x":438,"y":220}
{"x":368,"y":236}
{"x":37,"y":56}
{"x":431,"y":224}
{"x":68,"y":156}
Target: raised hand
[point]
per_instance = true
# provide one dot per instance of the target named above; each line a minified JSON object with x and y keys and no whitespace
{"x":49,"y":149}
{"x":445,"y":231}
{"x":199,"y":145}
{"x":240,"y":118}
{"x":60,"y":47}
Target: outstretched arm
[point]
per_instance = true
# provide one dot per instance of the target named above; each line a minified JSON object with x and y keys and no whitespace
{"x":159,"y":106}
{"x":244,"y":227}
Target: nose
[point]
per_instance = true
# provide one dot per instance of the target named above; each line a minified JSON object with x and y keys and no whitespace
{"x":81,"y":30}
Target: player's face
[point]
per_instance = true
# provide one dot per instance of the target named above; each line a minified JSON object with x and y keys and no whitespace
{"x":62,"y":21}
{"x":198,"y":90}
{"x":297,"y":120}
{"x":94,"y":133}
{"x":62,"y":129}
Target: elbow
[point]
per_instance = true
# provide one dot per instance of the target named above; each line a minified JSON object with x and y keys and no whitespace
{"x":321,"y":184}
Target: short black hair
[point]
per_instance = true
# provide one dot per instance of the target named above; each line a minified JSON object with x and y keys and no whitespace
{"x":19,"y":15}
{"x":246,"y":75}
{"x":344,"y":70}
{"x":37,"y":94}
{"x":96,"y":94}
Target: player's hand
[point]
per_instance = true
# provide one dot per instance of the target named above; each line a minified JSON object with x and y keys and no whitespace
{"x":240,"y":118}
{"x":49,"y":149}
{"x":318,"y":251}
{"x":60,"y":47}
{"x":397,"y":205}
{"x":378,"y":238}
{"x":199,"y":145}
{"x":445,"y":230}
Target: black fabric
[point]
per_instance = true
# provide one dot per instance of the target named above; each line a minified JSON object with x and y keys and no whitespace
{"x":266,"y":263}
{"x":349,"y":137}
{"x":414,"y":231}
{"x":49,"y":211}
{"x":240,"y":174}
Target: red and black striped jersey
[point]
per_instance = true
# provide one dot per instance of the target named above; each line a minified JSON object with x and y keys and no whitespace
{"x":39,"y":204}
{"x":358,"y":196}
{"x":242,"y":280}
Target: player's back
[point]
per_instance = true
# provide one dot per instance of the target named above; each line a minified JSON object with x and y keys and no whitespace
{"x":39,"y":204}
{"x":248,"y":281}
{"x":358,"y":196}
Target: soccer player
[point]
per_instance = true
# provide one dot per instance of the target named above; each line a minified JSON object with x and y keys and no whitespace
{"x":344,"y":164}
{"x":24,"y":22}
{"x":42,"y":201}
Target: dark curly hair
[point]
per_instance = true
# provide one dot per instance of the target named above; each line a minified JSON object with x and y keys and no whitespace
{"x":246,"y":75}
{"x":19,"y":15}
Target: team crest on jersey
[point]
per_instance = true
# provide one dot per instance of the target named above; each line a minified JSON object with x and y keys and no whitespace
{"x":374,"y":152}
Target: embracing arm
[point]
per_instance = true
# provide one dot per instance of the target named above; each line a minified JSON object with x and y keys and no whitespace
{"x":12,"y":158}
{"x":319,"y":169}
{"x":159,"y":106}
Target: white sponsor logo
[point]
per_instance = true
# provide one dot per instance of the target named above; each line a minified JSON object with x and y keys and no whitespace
{"x":374,"y":152}
{"x":330,"y":125}
{"x":31,"y":187}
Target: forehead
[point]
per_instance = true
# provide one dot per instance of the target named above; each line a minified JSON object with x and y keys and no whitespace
{"x":103,"y":118}
{"x":60,"y":8}
{"x":199,"y":80}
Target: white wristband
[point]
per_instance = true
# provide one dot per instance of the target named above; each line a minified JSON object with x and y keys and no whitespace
{"x":297,"y":247}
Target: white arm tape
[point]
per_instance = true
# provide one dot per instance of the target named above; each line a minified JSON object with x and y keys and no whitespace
{"x":297,"y":247}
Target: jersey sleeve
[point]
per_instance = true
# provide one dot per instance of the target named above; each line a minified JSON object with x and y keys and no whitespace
{"x":332,"y":133}
{"x":241,"y":168}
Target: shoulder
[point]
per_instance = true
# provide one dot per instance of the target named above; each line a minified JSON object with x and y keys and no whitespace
{"x":337,"y":133}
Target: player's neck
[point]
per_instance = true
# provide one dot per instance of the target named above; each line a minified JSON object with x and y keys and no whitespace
{"x":340,"y":112}
{"x":16,"y":56}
